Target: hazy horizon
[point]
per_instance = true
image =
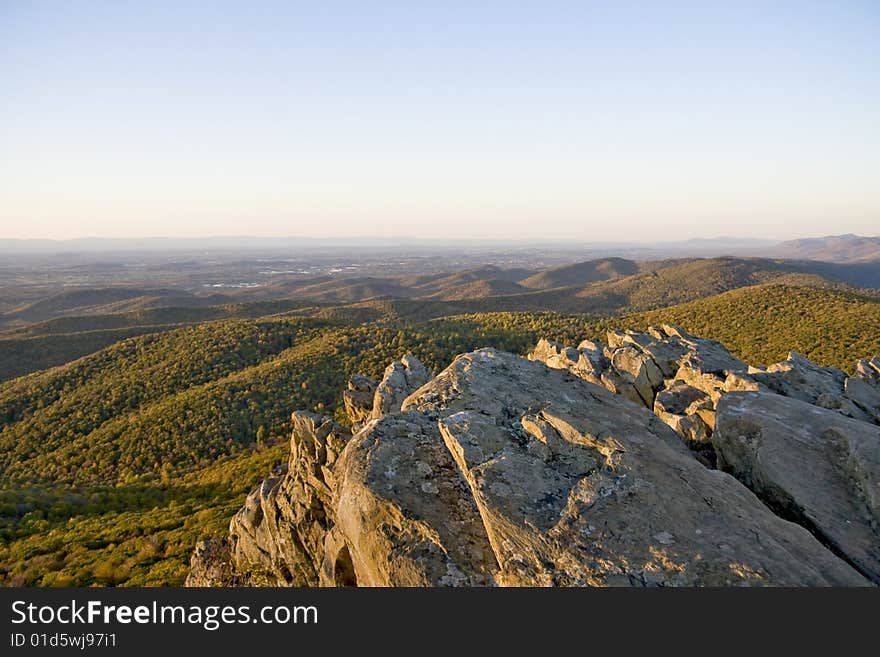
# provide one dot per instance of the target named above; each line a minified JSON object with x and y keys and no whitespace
{"x":404,"y":239}
{"x":564,"y":122}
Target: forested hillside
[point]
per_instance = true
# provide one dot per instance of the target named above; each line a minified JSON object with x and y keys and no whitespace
{"x":116,"y":461}
{"x":105,"y":460}
{"x":762,"y":324}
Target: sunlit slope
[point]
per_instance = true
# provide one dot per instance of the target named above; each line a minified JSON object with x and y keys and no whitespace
{"x":761,"y":324}
{"x":58,"y":341}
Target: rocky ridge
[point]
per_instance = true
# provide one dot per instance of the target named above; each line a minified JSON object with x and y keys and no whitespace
{"x":592,"y":465}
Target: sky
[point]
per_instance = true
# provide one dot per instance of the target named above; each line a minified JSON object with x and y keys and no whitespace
{"x":582,"y":121}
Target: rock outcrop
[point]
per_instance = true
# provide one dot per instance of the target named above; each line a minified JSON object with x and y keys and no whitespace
{"x":802,"y":379}
{"x":400,"y":379}
{"x":695,"y":373}
{"x":510,"y":471}
{"x":808,"y":464}
{"x":358,"y":399}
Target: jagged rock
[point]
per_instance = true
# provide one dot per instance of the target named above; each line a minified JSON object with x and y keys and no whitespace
{"x":593,"y":352}
{"x":708,"y":366}
{"x":742,"y":382}
{"x":279,"y":535}
{"x":358,"y":398}
{"x":587,"y":361}
{"x":864,"y":395}
{"x":400,"y":379}
{"x":625,"y":367}
{"x":505,"y":471}
{"x":621,"y":385}
{"x":638,"y":369}
{"x":809,"y":464}
{"x":800,"y":378}
{"x":579,"y":487}
{"x":680,"y":399}
{"x":680,"y":356}
{"x":553,"y":354}
{"x":405,"y":511}
{"x":665,"y":351}
{"x":211,"y":565}
{"x":589,"y":345}
{"x":869,"y":370}
{"x":687,"y":410}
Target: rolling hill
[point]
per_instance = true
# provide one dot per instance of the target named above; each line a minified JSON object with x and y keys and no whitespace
{"x":103,"y":301}
{"x":418,"y":298}
{"x":762,"y":323}
{"x":582,"y":273}
{"x":115,"y":462}
{"x":61,"y":340}
{"x":130,"y":455}
{"x":834,"y":248}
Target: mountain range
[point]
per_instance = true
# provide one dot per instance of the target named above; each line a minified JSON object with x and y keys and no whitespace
{"x":834,"y":248}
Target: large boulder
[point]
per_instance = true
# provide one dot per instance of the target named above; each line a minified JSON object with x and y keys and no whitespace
{"x":800,"y":378}
{"x":358,"y":399}
{"x":864,"y":395}
{"x":621,"y":384}
{"x":406,"y":513}
{"x":576,"y":486}
{"x":809,"y":464}
{"x":504,"y":471}
{"x":640,"y":370}
{"x":587,"y":361}
{"x":400,"y":379}
{"x":278,"y":536}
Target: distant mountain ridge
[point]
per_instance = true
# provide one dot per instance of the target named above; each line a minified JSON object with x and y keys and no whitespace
{"x":846,"y":248}
{"x":77,"y":322}
{"x":582,"y":273}
{"x":833,"y":248}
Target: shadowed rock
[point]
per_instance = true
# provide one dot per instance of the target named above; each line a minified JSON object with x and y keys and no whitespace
{"x":506,"y":471}
{"x":401,"y":378}
{"x":358,"y":398}
{"x":579,"y":487}
{"x":809,"y":464}
{"x":800,"y":378}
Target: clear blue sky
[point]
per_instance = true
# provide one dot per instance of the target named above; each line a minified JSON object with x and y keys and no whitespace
{"x":569,"y":120}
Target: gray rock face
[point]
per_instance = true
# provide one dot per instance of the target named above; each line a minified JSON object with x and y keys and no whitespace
{"x":211,"y":565}
{"x":401,"y":378}
{"x":639,"y":370}
{"x":278,"y":537}
{"x":574,"y":488}
{"x":405,"y":512}
{"x":802,"y":379}
{"x":358,"y":398}
{"x":864,"y":395}
{"x":810,"y":464}
{"x":503,"y":471}
{"x":679,"y":398}
{"x":687,"y":410}
{"x":666,"y":364}
{"x":869,"y":370}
